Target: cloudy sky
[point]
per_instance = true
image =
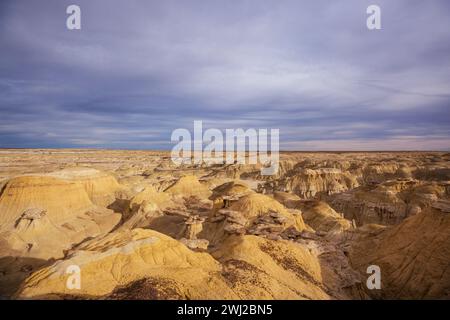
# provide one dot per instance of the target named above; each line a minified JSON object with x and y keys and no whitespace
{"x":137,"y":70}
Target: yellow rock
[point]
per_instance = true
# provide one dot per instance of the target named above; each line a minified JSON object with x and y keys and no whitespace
{"x":40,"y":216}
{"x":58,"y":197}
{"x":189,"y":186}
{"x":257,"y":268}
{"x":121,"y":258}
{"x":321,"y":217}
{"x":413,"y":256}
{"x":254,"y":205}
{"x":100,"y":186}
{"x":151,"y":195}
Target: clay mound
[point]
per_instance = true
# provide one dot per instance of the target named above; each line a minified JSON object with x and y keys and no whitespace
{"x":153,"y":198}
{"x":321,"y":217}
{"x":58,"y":197}
{"x":258,"y":268}
{"x":370,"y":228}
{"x":189,"y":186}
{"x":289,"y":200}
{"x":145,"y":206}
{"x":379,"y":172}
{"x":255,"y":205}
{"x":229,"y":189}
{"x":40,"y":216}
{"x":100,"y":186}
{"x":122,"y":259}
{"x":60,"y":193}
{"x":413,"y":256}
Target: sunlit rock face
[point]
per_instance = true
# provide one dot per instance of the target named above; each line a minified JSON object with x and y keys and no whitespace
{"x":43,"y":215}
{"x":140,"y":227}
{"x":414,"y":255}
{"x":389,"y":202}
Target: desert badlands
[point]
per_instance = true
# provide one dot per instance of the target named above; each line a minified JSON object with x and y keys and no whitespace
{"x":132,"y":225}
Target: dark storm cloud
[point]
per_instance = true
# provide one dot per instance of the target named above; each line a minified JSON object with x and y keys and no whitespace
{"x":139,"y":69}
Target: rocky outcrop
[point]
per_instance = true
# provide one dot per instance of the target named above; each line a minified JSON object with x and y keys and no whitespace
{"x":223,"y":231}
{"x":100,"y":186}
{"x":289,"y":200}
{"x":413,"y":256}
{"x":194,"y":226}
{"x":145,"y":206}
{"x":120,"y":259}
{"x":321,"y":217}
{"x":257,"y":268}
{"x":189,"y":186}
{"x":41,"y":216}
{"x":308,"y":183}
{"x":388,"y":203}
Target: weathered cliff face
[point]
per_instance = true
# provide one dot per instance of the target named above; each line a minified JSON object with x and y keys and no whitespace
{"x":413,"y":256}
{"x":434,"y":173}
{"x":321,"y":217}
{"x":44,"y":215}
{"x":310,"y":183}
{"x":380,"y":172}
{"x":367,"y":189}
{"x":224,"y":231}
{"x":307,"y":183}
{"x":388,"y":203}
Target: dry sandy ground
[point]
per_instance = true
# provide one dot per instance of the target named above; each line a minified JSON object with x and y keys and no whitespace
{"x":136,"y":226}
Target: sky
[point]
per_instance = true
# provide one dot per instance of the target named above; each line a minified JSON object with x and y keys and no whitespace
{"x":137,"y":70}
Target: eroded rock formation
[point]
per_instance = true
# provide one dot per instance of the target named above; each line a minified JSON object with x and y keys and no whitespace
{"x":139,"y":227}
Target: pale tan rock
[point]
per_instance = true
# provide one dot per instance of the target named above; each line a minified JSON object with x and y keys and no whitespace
{"x":413,"y":256}
{"x":58,"y":204}
{"x":258,"y":268}
{"x":66,"y":215}
{"x":321,"y":217}
{"x":254,"y":205}
{"x":121,"y":258}
{"x":189,"y":186}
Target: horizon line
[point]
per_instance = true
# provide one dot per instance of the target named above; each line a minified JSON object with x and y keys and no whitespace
{"x":168,"y":150}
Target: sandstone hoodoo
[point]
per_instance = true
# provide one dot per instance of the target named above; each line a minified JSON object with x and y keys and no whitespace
{"x":136,"y":226}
